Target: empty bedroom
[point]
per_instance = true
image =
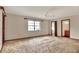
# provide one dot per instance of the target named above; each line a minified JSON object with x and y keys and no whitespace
{"x":39,"y":29}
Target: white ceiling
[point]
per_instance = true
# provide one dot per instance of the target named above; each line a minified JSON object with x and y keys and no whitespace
{"x":44,"y":12}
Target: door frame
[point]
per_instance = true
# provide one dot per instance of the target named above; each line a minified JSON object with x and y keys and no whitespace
{"x":62,"y":27}
{"x":3,"y":28}
{"x":3,"y":25}
{"x":55,"y":22}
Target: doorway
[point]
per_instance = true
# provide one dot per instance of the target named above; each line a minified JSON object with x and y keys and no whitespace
{"x":54,"y":28}
{"x":65,"y":28}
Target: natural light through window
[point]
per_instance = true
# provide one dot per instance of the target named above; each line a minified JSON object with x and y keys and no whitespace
{"x":33,"y":25}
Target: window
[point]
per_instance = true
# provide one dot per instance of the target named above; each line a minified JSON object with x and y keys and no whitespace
{"x":33,"y":25}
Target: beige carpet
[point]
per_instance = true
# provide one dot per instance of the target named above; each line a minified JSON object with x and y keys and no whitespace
{"x":47,"y":44}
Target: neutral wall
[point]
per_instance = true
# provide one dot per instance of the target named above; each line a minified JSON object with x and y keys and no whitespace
{"x":59,"y":27}
{"x":74,"y":27}
{"x":0,"y":29}
{"x":16,"y":27}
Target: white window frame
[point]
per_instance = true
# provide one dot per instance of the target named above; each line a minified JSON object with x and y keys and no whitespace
{"x":34,"y":26}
